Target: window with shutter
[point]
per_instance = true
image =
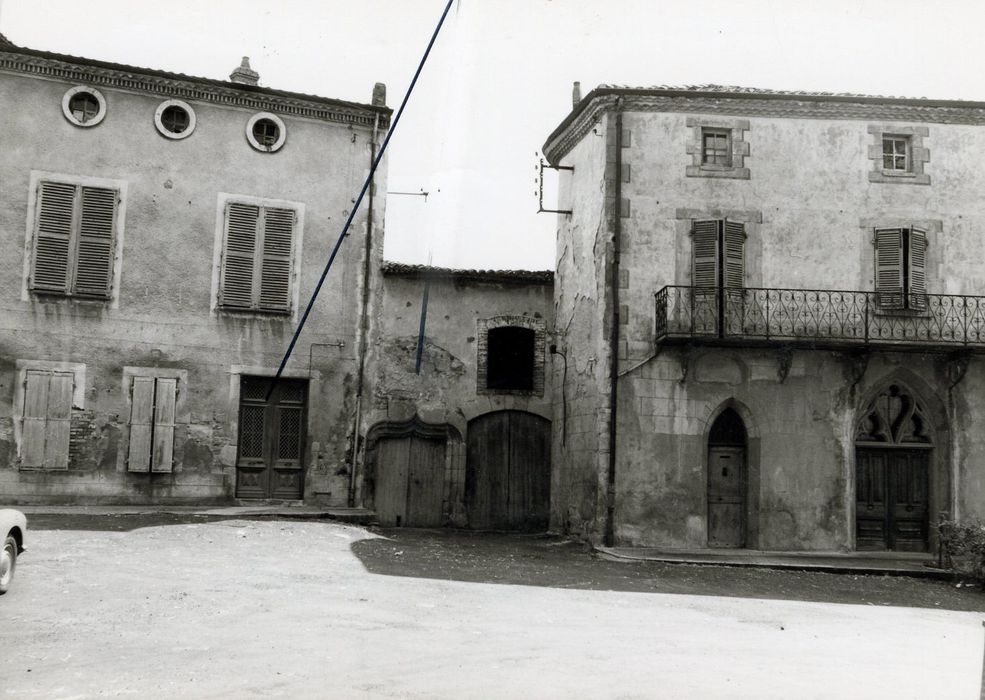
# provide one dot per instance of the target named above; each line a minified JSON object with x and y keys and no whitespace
{"x":74,"y":240}
{"x":704,"y":242}
{"x":718,"y":253}
{"x":257,"y":259}
{"x":46,"y":422}
{"x":152,"y":420}
{"x":901,"y":262}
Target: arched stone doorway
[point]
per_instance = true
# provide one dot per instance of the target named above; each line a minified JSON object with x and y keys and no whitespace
{"x":893,"y":451}
{"x":727,"y":481}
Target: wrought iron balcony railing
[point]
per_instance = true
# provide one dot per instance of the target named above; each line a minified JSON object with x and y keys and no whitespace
{"x":819,"y":316}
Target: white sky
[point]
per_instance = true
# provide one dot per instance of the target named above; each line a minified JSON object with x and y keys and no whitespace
{"x":499,"y":79}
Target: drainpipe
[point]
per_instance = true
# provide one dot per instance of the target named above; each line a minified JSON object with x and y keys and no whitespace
{"x":363,"y":320}
{"x":610,"y":495}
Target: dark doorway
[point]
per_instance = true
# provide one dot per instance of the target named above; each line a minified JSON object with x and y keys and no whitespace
{"x":727,"y":481}
{"x":410,"y":481}
{"x":270,"y":461}
{"x":891,"y":510}
{"x":508,"y":472}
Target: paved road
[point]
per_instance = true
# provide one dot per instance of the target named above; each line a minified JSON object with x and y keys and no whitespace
{"x":286,"y":609}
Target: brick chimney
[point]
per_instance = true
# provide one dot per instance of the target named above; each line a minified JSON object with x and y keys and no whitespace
{"x":575,"y":94}
{"x":243,"y":74}
{"x":379,"y":95}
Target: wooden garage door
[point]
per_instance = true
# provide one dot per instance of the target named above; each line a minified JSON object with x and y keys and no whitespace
{"x":410,"y":481}
{"x":508,"y":471}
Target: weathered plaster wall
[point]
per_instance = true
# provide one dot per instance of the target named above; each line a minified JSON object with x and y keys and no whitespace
{"x":582,"y":309}
{"x":164,"y":317}
{"x":810,"y":209}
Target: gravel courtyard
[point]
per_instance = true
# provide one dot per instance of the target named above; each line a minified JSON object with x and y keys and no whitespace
{"x":240,"y":608}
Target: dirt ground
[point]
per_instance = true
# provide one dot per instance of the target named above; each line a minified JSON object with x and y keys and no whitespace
{"x":168,"y":606}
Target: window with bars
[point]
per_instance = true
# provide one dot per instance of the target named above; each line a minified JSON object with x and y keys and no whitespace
{"x":46,"y":419}
{"x":901,"y":264}
{"x":716,"y":147}
{"x":151,"y":423}
{"x":257,"y":258}
{"x":74,"y":239}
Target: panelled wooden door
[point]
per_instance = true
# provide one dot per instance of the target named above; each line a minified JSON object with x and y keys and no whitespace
{"x":726,"y":496}
{"x":891,"y":499}
{"x":410,"y":481}
{"x":507,"y":483}
{"x":270,"y":463}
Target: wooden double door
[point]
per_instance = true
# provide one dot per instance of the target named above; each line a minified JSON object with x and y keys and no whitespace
{"x":508,"y":471}
{"x":891,"y":499}
{"x":272,"y":426}
{"x":410,"y":481}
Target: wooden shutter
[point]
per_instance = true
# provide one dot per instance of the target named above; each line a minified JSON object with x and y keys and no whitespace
{"x":53,"y":237}
{"x":704,"y":245}
{"x":94,"y":261}
{"x":734,"y":258}
{"x":236,"y":286}
{"x":889,"y":267}
{"x":141,"y":424}
{"x":35,"y":417}
{"x":164,"y":400}
{"x":59,"y":423}
{"x":275,"y":277}
{"x":917,"y":286}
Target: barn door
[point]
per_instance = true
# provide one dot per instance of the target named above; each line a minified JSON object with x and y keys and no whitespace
{"x":270,"y":461}
{"x":410,"y":481}
{"x":507,"y":481}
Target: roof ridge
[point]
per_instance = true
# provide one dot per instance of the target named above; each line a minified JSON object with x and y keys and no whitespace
{"x":746,"y":90}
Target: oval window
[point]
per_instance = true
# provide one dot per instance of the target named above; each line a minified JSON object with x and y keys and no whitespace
{"x":84,"y":106}
{"x":266,"y":132}
{"x":175,"y":119}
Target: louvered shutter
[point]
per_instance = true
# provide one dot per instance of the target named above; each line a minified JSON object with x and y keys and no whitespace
{"x":59,"y":424}
{"x":53,"y":237}
{"x":734,"y":258}
{"x":35,"y":417}
{"x":704,"y":245}
{"x":918,"y":266}
{"x":141,"y":424}
{"x":889,"y":267}
{"x":275,"y":277}
{"x":164,"y":400}
{"x":236,"y":287}
{"x":94,"y":260}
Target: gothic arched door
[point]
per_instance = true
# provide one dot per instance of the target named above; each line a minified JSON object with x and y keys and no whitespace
{"x":892,"y":474}
{"x":727,"y":481}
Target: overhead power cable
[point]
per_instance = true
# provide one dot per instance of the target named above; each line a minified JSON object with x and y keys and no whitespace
{"x":359,"y":199}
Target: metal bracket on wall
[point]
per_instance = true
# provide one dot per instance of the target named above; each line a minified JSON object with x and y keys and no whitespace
{"x":540,"y":188}
{"x":784,"y":356}
{"x":956,"y":368}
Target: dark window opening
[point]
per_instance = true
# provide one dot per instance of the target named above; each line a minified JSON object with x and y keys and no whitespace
{"x":84,"y":107}
{"x":266,"y":132}
{"x":175,"y":119}
{"x":715,"y":148}
{"x":510,"y":359}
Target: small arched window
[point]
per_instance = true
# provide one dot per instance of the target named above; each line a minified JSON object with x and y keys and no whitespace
{"x":510,"y":359}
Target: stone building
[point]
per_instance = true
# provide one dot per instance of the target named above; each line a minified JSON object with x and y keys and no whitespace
{"x":771,"y":307}
{"x":458,"y":427}
{"x":160,"y":235}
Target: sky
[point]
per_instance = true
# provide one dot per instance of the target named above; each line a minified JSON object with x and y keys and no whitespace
{"x":500,"y":75}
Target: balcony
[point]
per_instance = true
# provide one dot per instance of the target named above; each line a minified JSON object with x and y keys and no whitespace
{"x":819,"y":318}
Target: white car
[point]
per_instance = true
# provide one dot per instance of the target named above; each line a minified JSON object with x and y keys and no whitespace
{"x":13,"y":527}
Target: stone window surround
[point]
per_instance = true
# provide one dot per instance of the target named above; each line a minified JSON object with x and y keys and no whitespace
{"x":753,"y":249}
{"x":737,"y":142}
{"x":171,"y":134}
{"x":120,"y":226}
{"x":932,"y":270}
{"x":919,"y":154}
{"x":484,"y":325}
{"x":78,"y":371}
{"x":224,"y":198}
{"x":281,"y":132}
{"x":67,"y":110}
